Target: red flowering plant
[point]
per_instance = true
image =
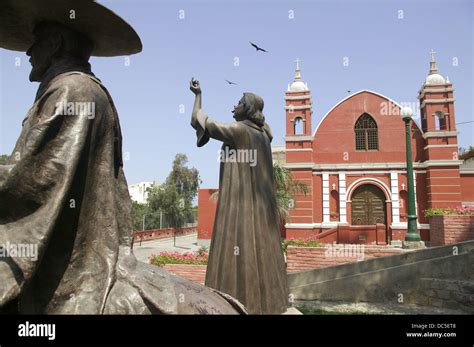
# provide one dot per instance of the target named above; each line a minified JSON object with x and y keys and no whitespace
{"x":199,"y":257}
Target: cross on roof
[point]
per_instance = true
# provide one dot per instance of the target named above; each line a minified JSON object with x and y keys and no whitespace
{"x":432,"y":55}
{"x":297,"y":61}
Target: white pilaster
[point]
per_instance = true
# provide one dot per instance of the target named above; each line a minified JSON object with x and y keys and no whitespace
{"x":326,"y":218}
{"x":342,"y":198}
{"x":395,"y":198}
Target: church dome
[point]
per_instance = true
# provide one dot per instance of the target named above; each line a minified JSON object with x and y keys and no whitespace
{"x":298,"y":86}
{"x":435,"y":79}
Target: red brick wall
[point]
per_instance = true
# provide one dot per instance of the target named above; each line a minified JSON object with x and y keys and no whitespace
{"x":156,"y":234}
{"x":206,"y":213}
{"x":195,"y":273}
{"x":317,"y":198}
{"x":307,"y":258}
{"x":421,"y":197}
{"x":446,"y":230}
{"x":443,"y":187}
{"x":467,"y":187}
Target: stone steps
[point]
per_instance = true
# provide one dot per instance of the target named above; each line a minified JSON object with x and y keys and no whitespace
{"x":440,"y":277}
{"x":375,"y":264}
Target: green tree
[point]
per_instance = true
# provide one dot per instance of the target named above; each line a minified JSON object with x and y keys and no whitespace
{"x":174,"y":198}
{"x":3,"y":158}
{"x":138,"y":211}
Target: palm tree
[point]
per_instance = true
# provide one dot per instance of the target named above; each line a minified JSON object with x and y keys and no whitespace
{"x":286,"y":188}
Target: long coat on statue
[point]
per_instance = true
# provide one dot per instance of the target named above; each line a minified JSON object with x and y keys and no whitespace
{"x":246,"y":259}
{"x":64,"y":192}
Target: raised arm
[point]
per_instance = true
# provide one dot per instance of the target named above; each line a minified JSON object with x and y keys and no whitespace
{"x":206,"y":127}
{"x":196,"y":89}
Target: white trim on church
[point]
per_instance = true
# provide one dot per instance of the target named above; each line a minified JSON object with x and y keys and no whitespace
{"x":350,"y":96}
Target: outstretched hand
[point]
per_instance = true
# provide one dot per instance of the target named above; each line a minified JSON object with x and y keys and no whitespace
{"x":195,"y":86}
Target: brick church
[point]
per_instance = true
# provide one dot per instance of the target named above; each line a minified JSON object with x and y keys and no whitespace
{"x":354,"y":164}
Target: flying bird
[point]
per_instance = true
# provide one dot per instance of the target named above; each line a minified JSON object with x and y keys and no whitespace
{"x":348,"y":91}
{"x":258,"y":48}
{"x":230,"y":82}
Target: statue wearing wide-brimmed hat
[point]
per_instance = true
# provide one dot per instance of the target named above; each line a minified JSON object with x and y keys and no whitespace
{"x":63,"y":189}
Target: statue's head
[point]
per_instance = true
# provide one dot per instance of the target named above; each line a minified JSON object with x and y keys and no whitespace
{"x":250,"y":107}
{"x":53,"y":42}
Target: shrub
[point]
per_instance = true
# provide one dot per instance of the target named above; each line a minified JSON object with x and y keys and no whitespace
{"x":203,"y":251}
{"x":198,"y":258}
{"x":457,"y":211}
{"x":300,"y":243}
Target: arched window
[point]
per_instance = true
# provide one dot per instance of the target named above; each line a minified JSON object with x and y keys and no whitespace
{"x":299,"y":126}
{"x":440,"y":120}
{"x":366,"y":135}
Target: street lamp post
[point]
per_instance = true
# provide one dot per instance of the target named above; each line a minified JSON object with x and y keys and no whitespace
{"x":412,"y":232}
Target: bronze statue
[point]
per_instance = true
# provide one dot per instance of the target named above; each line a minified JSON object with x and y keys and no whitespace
{"x":63,"y":188}
{"x":245,"y":259}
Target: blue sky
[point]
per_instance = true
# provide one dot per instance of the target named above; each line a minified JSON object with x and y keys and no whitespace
{"x":387,"y":54}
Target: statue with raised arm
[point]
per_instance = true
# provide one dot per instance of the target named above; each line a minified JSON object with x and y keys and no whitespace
{"x":63,"y":189}
{"x":246,"y":258}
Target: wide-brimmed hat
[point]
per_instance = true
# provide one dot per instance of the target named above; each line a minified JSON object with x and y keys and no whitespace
{"x":111,"y":35}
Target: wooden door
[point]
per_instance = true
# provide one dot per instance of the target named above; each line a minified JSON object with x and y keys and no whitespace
{"x":368,"y":206}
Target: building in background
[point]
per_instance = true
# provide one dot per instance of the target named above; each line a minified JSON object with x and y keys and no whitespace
{"x":138,"y":191}
{"x":278,"y":155}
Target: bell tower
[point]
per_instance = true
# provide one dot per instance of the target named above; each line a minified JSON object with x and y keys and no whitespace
{"x":298,"y":109}
{"x":441,"y":144}
{"x":299,"y":150}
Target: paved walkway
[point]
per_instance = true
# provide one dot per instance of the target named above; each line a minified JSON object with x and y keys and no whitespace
{"x":184,"y":244}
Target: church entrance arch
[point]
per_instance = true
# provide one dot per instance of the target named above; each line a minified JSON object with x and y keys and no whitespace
{"x":368,"y":205}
